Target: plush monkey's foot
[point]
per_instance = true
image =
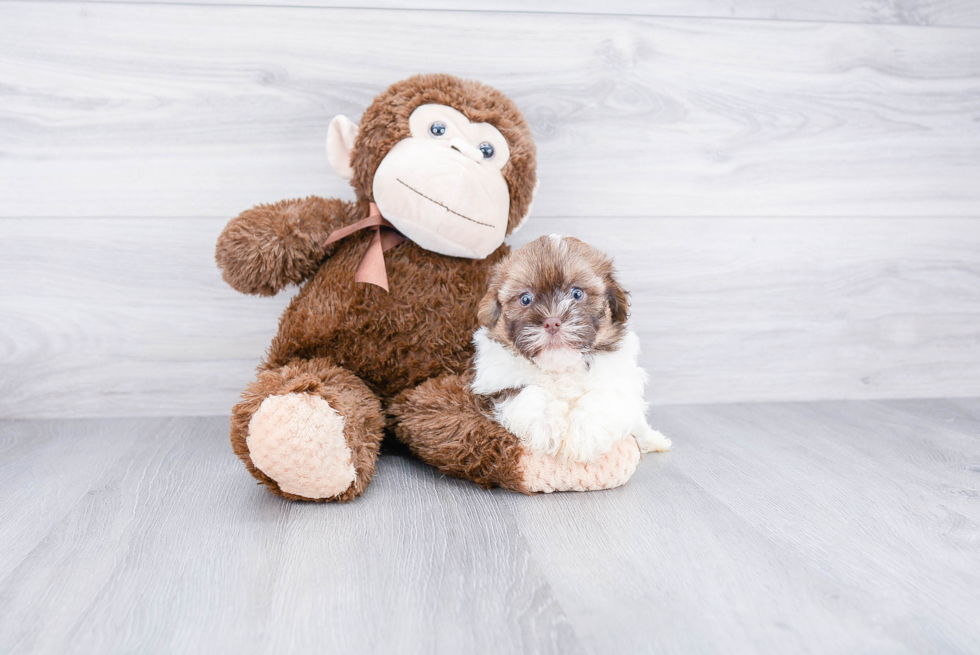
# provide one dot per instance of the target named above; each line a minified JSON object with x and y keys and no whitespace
{"x":298,"y":441}
{"x":546,"y":473}
{"x":309,"y":431}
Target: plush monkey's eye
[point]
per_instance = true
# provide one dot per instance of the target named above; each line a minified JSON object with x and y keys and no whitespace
{"x":437,"y":129}
{"x":577,"y":294}
{"x":486,"y":149}
{"x":526,"y":299}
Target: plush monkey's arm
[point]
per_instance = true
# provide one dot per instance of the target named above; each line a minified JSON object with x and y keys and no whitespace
{"x":269,"y":246}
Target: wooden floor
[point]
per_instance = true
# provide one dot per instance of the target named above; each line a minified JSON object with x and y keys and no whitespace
{"x":833,"y":527}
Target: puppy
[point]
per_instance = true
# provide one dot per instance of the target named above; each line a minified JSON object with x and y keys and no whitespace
{"x":554,"y":354}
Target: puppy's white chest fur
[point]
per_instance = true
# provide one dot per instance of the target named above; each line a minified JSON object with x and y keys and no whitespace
{"x":578,"y":413}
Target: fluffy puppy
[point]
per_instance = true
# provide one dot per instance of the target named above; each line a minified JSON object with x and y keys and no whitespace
{"x":555,"y":356}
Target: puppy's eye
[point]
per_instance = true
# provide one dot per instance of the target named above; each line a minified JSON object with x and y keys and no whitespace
{"x":486,"y":149}
{"x":577,"y":294}
{"x":526,"y":299}
{"x":437,"y":129}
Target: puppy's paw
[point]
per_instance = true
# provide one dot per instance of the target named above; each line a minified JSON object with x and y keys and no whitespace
{"x":588,"y":437}
{"x":546,"y":430}
{"x":537,"y":418}
{"x":650,"y":441}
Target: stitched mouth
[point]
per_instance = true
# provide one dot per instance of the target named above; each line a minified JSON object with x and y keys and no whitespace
{"x":442,"y":205}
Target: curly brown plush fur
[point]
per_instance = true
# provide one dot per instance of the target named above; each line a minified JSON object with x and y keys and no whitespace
{"x":391,"y":340}
{"x":355,"y":345}
{"x":270,"y":246}
{"x":448,"y":427}
{"x":360,"y":408}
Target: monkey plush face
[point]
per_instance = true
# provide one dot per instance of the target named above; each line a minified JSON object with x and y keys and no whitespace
{"x":449,"y":162}
{"x":442,"y":186}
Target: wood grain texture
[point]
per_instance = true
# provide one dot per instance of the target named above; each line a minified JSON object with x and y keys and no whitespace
{"x":828,"y":527}
{"x":957,"y":13}
{"x":69,"y":467}
{"x":123,"y":110}
{"x":791,"y":528}
{"x":99,"y":313}
{"x":884,"y":502}
{"x":125,"y":317}
{"x":175,"y":549}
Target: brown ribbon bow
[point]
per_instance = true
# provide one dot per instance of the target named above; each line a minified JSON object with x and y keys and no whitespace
{"x":385,"y":237}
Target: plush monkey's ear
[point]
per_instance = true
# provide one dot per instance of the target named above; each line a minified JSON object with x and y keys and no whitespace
{"x":514,"y":225}
{"x":619,"y":303}
{"x":340,"y":141}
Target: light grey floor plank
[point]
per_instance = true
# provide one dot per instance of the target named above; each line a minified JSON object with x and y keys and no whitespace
{"x":664,"y":566}
{"x":821,"y":527}
{"x":882,"y":501}
{"x":175,"y":549}
{"x":130,"y":316}
{"x":960,"y":414}
{"x":134,"y":114}
{"x":44,"y":466}
{"x":436,"y":561}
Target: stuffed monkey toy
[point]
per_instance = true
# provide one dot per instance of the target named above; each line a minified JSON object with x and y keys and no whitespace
{"x":443,"y":169}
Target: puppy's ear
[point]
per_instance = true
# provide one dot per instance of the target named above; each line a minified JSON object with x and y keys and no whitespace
{"x":619,"y":303}
{"x":489,"y":312}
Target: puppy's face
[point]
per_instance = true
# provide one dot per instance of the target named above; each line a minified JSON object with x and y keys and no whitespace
{"x":555,"y":301}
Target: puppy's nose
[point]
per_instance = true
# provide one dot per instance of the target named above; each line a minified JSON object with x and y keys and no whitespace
{"x":552,"y":324}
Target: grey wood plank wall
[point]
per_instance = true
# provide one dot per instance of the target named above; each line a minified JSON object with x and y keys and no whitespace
{"x":794,"y":203}
{"x":957,"y":13}
{"x":136,"y":114}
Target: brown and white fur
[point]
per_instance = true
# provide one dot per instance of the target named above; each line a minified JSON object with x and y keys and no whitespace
{"x":555,"y":354}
